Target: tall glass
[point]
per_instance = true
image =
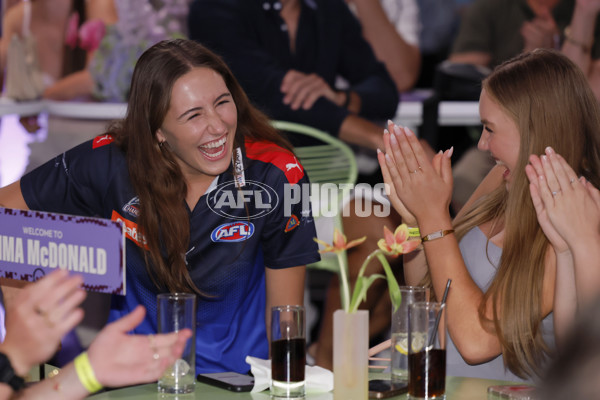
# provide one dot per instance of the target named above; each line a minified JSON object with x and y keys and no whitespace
{"x":399,"y":334}
{"x":288,"y":351}
{"x":177,"y":311}
{"x":427,"y":351}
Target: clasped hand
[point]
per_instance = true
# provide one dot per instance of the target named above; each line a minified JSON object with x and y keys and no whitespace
{"x":303,"y":90}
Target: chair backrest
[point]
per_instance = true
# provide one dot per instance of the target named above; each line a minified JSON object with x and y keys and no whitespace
{"x":328,"y":161}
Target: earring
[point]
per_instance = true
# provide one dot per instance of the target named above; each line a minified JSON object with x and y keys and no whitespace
{"x":160,"y":144}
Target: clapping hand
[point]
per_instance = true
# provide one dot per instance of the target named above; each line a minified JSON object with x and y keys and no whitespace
{"x":568,"y":208}
{"x":120,"y":359}
{"x":420,"y":187}
{"x":39,"y":316}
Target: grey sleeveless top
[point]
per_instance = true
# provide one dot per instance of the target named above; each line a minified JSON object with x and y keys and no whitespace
{"x":473,"y":249}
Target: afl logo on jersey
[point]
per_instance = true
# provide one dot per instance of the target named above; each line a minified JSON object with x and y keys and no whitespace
{"x":254,"y":200}
{"x":233,"y":232}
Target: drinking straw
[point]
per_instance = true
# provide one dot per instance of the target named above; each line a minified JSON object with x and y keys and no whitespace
{"x":437,"y":318}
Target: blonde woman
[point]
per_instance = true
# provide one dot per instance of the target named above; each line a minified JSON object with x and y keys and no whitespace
{"x":509,"y":286}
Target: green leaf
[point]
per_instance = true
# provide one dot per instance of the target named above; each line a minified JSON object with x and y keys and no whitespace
{"x":394,"y":288}
{"x":363,"y":283}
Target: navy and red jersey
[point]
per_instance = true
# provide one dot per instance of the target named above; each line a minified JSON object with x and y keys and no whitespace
{"x":235,"y":233}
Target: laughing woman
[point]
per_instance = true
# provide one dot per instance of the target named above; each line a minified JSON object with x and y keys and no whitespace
{"x":162,"y":171}
{"x":512,"y":292}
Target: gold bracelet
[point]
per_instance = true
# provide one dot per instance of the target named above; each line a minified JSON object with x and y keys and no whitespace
{"x":85,"y":373}
{"x":437,"y":235}
{"x":569,"y":38}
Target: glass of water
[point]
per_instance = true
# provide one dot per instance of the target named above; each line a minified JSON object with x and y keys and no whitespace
{"x":399,"y":334}
{"x":177,"y":311}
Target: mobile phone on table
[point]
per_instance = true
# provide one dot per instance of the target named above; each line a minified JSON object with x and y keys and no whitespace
{"x":384,"y":388}
{"x":516,"y":392}
{"x":233,"y":381}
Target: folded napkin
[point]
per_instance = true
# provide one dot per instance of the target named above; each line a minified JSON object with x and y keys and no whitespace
{"x":318,"y":380}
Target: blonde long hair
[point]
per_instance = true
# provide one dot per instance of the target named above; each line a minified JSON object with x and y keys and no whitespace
{"x":552,"y":104}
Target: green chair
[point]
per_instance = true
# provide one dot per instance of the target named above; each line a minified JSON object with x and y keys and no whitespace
{"x":330,"y":164}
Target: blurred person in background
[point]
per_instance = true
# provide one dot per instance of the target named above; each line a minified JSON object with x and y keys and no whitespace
{"x":392,"y":29}
{"x":581,"y":41}
{"x":287,"y":56}
{"x":55,"y":27}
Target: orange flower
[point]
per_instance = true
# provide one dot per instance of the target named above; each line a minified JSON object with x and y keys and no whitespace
{"x":339,"y":243}
{"x":397,"y":243}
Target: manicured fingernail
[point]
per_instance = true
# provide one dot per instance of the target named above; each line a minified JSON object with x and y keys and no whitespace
{"x":388,"y":159}
{"x":450,"y":152}
{"x":408,"y":132}
{"x":393,"y":139}
{"x":378,"y":151}
{"x":549,"y":150}
{"x":544,"y":158}
{"x":390,"y":122}
{"x":440,"y":152}
{"x":397,"y":130}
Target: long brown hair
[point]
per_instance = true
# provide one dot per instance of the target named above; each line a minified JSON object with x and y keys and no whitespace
{"x":552,"y":104}
{"x":153,"y":169}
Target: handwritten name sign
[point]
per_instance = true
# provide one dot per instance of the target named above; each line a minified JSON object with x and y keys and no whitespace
{"x":34,"y":243}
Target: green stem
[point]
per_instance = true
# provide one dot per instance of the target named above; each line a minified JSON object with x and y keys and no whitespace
{"x":394,"y":288}
{"x":354,"y":303}
{"x":344,"y":279}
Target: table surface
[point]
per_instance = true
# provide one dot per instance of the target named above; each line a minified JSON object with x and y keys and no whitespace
{"x":457,"y":388}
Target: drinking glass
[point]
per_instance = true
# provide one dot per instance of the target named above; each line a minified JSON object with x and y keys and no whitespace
{"x":177,"y":311}
{"x":427,"y":351}
{"x":399,"y":334}
{"x":288,"y":351}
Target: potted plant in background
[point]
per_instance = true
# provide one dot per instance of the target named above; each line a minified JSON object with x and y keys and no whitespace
{"x":351,"y":325}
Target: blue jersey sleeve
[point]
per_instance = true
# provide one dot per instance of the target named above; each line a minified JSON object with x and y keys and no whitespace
{"x":75,"y":182}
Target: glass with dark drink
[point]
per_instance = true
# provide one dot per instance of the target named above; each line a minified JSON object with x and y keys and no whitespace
{"x":427,"y":351}
{"x":288,"y":351}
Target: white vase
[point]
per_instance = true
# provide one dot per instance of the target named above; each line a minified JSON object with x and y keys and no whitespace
{"x":351,"y":355}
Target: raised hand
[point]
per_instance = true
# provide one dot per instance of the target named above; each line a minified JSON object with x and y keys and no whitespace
{"x":556,"y":240}
{"x":390,"y":189}
{"x":590,"y":6}
{"x":571,"y":205}
{"x":39,"y":316}
{"x":540,"y":32}
{"x":120,"y":359}
{"x":424,"y":187}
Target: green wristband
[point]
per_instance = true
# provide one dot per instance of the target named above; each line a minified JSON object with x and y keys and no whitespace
{"x":85,"y":373}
